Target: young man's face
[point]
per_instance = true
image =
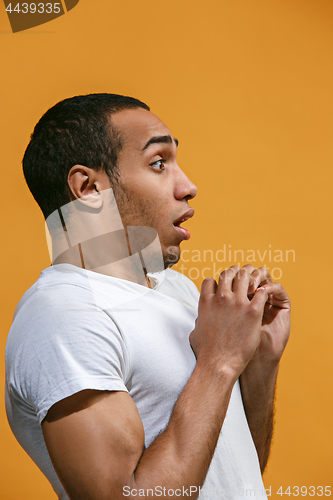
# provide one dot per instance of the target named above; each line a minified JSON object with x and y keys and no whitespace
{"x":153,"y":191}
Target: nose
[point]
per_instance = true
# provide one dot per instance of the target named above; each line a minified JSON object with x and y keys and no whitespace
{"x":184,"y":188}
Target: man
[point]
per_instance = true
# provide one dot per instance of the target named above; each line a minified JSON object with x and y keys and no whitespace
{"x":121,"y":381}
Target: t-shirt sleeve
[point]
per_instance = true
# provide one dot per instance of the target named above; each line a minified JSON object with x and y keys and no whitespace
{"x":69,"y":345}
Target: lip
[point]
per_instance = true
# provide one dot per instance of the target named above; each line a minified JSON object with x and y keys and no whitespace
{"x":187,"y":215}
{"x":183,"y":233}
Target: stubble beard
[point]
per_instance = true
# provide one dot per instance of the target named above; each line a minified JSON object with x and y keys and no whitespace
{"x":140,"y":212}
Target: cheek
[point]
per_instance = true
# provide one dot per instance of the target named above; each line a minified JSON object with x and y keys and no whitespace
{"x":142,"y":201}
{"x":141,"y":211}
{"x":151,"y":211}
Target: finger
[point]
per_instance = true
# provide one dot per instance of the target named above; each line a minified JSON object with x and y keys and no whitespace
{"x":241,"y":282}
{"x":226,"y":279}
{"x":264,"y":276}
{"x":260,"y":277}
{"x":208,"y":286}
{"x":249,"y":269}
{"x":277,"y":296}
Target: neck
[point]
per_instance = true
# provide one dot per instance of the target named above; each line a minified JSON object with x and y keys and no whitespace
{"x":106,"y":254}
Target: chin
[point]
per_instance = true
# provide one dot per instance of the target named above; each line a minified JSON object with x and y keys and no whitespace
{"x":171,"y":256}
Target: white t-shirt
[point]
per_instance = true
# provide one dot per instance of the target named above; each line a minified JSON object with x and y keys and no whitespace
{"x":76,"y":329}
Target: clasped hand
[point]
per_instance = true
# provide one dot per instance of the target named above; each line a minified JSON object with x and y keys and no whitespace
{"x":243,"y":319}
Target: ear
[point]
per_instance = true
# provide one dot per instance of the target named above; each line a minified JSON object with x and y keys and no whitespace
{"x":86,"y":183}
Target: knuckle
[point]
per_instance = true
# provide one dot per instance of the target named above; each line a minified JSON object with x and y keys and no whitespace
{"x":207,"y":280}
{"x":249,"y":267}
{"x":226,"y":278}
{"x":206,"y":283}
{"x":240,"y":302}
{"x":234,"y":268}
{"x":223,"y":297}
{"x":264,"y":272}
{"x":254,"y":309}
{"x":253,"y":313}
{"x":263,"y":269}
{"x":242,"y":273}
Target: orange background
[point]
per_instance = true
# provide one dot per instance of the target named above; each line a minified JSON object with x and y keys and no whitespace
{"x":246,"y":86}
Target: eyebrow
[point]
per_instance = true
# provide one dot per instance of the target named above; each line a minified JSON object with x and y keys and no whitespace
{"x":166,"y":139}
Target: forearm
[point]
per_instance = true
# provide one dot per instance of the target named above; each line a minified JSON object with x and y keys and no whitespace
{"x":258,"y":390}
{"x":180,"y":456}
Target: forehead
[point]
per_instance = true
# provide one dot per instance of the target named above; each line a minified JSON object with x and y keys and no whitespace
{"x":138,"y":126}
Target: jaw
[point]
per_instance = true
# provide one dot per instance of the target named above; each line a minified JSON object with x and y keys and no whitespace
{"x":171,"y":255}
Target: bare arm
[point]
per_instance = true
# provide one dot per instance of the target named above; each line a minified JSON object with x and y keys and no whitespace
{"x":99,"y":450}
{"x":258,"y":391}
{"x":259,"y":377}
{"x":96,"y":440}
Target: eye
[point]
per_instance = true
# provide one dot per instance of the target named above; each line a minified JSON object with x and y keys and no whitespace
{"x":158,"y":165}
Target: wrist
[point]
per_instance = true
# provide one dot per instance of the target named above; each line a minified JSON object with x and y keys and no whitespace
{"x":262,"y":366}
{"x":258,"y":388}
{"x":218,"y":373}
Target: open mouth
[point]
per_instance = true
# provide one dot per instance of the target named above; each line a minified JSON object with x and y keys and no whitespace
{"x":182,"y":232}
{"x":179,"y":222}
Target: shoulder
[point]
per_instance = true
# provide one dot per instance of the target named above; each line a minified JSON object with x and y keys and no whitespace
{"x":62,"y":342}
{"x":62,"y":303}
{"x":54,"y":292}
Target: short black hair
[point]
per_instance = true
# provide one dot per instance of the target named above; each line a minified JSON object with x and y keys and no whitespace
{"x":79,"y":131}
